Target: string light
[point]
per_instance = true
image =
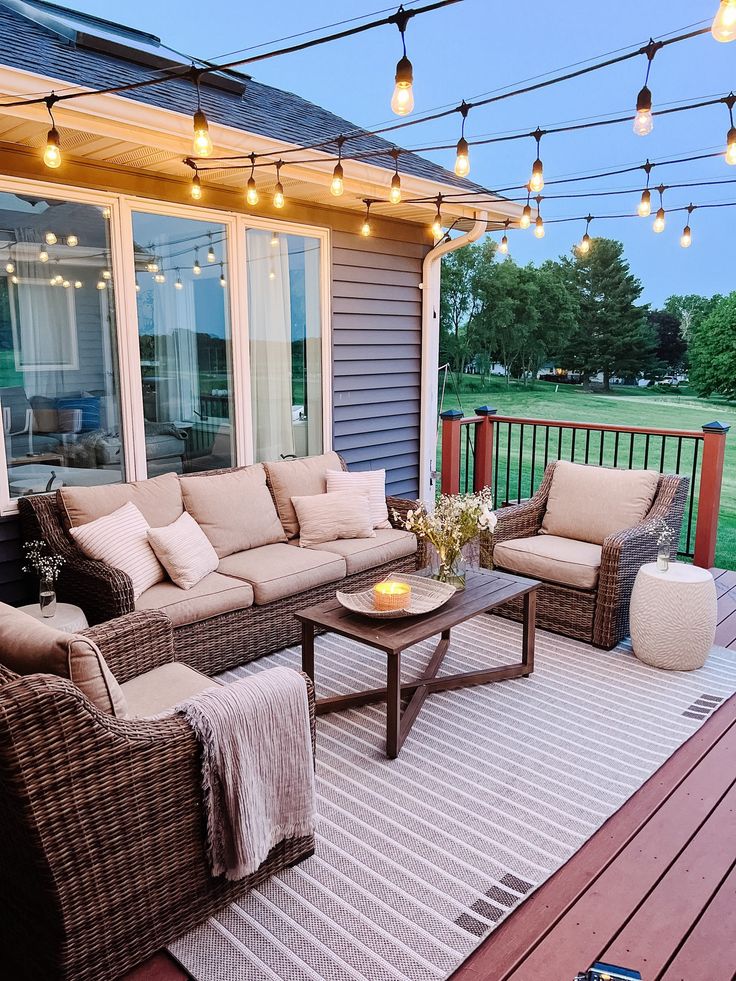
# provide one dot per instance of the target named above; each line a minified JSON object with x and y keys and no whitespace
{"x":585,"y":241}
{"x":338,"y":185}
{"x":78,"y":284}
{"x":731,"y":137}
{"x":50,"y":238}
{"x":66,"y":284}
{"x":251,"y":194}
{"x":278,"y":192}
{"x":196,"y":268}
{"x":52,"y":151}
{"x":223,"y":281}
{"x":644,"y":121}
{"x":160,"y":277}
{"x":72,"y":241}
{"x":107,"y":213}
{"x":402,"y":100}
{"x":503,"y":247}
{"x":106,"y":274}
{"x":275,"y":240}
{"x":152,"y":265}
{"x":137,"y":287}
{"x":395,"y":192}
{"x":196,"y":188}
{"x":539,"y":223}
{"x":14,"y":280}
{"x":536,"y":182}
{"x":724,"y":23}
{"x":211,"y":257}
{"x":202,"y":143}
{"x":101,"y":285}
{"x":686,"y":239}
{"x":365,"y":228}
{"x":43,"y":256}
{"x":645,"y":205}
{"x":660,"y":219}
{"x":178,"y":285}
{"x":462,"y":160}
{"x":437,"y":223}
{"x":526,"y":214}
{"x":10,"y":265}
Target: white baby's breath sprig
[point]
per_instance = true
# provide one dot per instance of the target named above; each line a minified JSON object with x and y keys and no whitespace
{"x":38,"y":561}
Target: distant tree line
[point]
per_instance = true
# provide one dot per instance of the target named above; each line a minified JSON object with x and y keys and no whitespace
{"x":582,"y":313}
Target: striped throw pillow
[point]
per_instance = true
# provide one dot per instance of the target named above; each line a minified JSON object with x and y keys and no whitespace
{"x":184,"y":551}
{"x":371,"y":482}
{"x":120,"y":539}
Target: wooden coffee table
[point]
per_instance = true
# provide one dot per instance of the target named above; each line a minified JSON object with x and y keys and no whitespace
{"x":484,"y":592}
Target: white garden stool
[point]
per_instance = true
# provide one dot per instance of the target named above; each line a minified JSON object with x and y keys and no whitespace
{"x":673,"y":616}
{"x":67,"y":617}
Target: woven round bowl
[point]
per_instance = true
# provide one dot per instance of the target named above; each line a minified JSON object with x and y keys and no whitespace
{"x":426,"y":595}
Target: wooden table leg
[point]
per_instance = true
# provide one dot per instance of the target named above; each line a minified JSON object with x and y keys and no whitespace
{"x":530,"y":621}
{"x":393,"y":705}
{"x":308,"y":648}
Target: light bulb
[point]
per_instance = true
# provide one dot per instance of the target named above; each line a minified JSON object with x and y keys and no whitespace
{"x":686,"y":239}
{"x":584,"y":247}
{"x":71,"y":241}
{"x":537,"y":179}
{"x":50,"y":238}
{"x":196,"y":188}
{"x":271,"y":274}
{"x":52,"y":153}
{"x":504,"y":246}
{"x":659,"y":221}
{"x":365,"y":228}
{"x":437,"y":228}
{"x":58,"y":279}
{"x":10,"y":266}
{"x":66,"y":284}
{"x":643,"y":121}
{"x":462,"y":160}
{"x":101,"y":284}
{"x":539,"y":227}
{"x":152,"y":266}
{"x":43,"y":256}
{"x":724,"y":23}
{"x":337,"y":186}
{"x":52,"y":281}
{"x":645,"y":205}
{"x":178,"y":285}
{"x":395,"y":193}
{"x":278,"y":196}
{"x":196,"y":268}
{"x":78,"y":284}
{"x":526,"y":217}
{"x":211,"y":257}
{"x":137,"y":287}
{"x":202,"y":144}
{"x":223,"y":281}
{"x":106,"y":213}
{"x":731,"y":147}
{"x":106,"y":274}
{"x":14,"y":280}
{"x":159,"y":278}
{"x":251,"y":195}
{"x":402,"y":100}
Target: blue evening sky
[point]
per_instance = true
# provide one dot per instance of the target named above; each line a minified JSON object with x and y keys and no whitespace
{"x":478,"y":46}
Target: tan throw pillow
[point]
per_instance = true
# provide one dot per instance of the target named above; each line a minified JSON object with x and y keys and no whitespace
{"x":184,"y":551}
{"x":28,"y":646}
{"x":120,"y":539}
{"x":158,"y":500}
{"x":589,"y":503}
{"x":235,"y":510}
{"x":303,"y":477}
{"x":372,"y":482}
{"x":327,"y":517}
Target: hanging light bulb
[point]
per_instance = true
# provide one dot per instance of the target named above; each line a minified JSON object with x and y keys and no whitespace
{"x":10,"y":265}
{"x":43,"y":256}
{"x":659,"y":221}
{"x":731,"y":147}
{"x":106,"y":213}
{"x":50,"y":238}
{"x":101,"y":284}
{"x":338,"y":185}
{"x":160,"y":277}
{"x":251,"y":194}
{"x":52,"y":150}
{"x":724,"y":23}
{"x":278,"y":192}
{"x":526,"y":214}
{"x":211,"y":257}
{"x":72,"y":241}
{"x":402,"y":100}
{"x":645,"y":205}
{"x":686,"y":239}
{"x":14,"y":280}
{"x":539,"y":227}
{"x":152,"y":265}
{"x":137,"y":287}
{"x":436,"y":228}
{"x":223,"y":281}
{"x":395,"y":192}
{"x":178,"y":285}
{"x":78,"y":284}
{"x":196,"y":268}
{"x":503,"y":247}
{"x":52,"y":281}
{"x":585,"y":241}
{"x":365,"y":228}
{"x":644,"y":121}
{"x":462,"y":158}
{"x":106,"y":274}
{"x":275,"y":240}
{"x":66,"y":284}
{"x":196,"y":188}
{"x":201,"y":143}
{"x":536,"y":182}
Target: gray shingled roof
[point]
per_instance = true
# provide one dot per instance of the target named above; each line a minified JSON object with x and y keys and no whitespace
{"x":264,"y":110}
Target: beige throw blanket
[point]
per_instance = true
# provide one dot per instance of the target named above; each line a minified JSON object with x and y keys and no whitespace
{"x":257,"y":767}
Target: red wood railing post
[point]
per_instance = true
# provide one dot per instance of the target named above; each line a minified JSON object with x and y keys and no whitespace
{"x":709,"y":493}
{"x":483,"y":448}
{"x":451,"y":430}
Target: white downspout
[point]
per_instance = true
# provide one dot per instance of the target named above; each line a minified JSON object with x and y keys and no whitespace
{"x":431,"y":349}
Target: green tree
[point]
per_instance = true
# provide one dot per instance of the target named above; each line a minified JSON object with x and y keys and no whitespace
{"x":690,"y":310}
{"x":457,"y":302}
{"x":713,"y":351}
{"x":612,"y":335}
{"x":671,"y":345}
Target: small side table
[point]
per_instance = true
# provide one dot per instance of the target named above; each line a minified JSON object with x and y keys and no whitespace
{"x":68,"y":617}
{"x":673,"y":616}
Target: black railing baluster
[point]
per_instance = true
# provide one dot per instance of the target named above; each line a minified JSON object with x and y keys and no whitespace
{"x":497,"y":455}
{"x":467,"y":457}
{"x":559,"y":442}
{"x":679,"y":454}
{"x":534,"y":455}
{"x":631,"y":452}
{"x":600,"y":455}
{"x":587,"y":445}
{"x":694,"y":471}
{"x":546,"y":446}
{"x":646,"y":451}
{"x":572,"y":445}
{"x":662,"y":454}
{"x":521,"y":463}
{"x":615,"y":450}
{"x":508,"y":463}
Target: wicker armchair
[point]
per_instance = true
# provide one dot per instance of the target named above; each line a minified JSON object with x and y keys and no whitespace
{"x":102,"y":856}
{"x":600,"y":615}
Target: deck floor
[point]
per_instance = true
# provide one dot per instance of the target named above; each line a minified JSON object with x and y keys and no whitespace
{"x":653,"y":889}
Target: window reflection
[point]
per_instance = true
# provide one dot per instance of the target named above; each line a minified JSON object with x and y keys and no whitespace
{"x":184,"y":336}
{"x":59,"y":390}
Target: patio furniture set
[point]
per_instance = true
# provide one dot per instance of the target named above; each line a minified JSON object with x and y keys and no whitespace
{"x":103,"y":859}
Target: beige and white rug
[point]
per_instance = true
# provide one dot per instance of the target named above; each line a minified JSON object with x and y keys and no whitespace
{"x":419,"y":858}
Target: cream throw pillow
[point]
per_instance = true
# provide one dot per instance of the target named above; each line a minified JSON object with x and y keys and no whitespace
{"x":372,"y":482}
{"x":120,"y":539}
{"x":184,"y":551}
{"x":327,"y":517}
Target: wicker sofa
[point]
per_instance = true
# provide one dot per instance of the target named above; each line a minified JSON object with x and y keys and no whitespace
{"x":102,"y":855}
{"x":588,"y":573}
{"x":236,"y":614}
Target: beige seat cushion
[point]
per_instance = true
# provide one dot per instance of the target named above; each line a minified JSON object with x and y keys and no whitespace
{"x":327,"y":517}
{"x":290,"y":478}
{"x":235,"y":510}
{"x":591,"y":503}
{"x":163,"y":688}
{"x":276,"y":571}
{"x":213,"y":595}
{"x":553,"y":559}
{"x":388,"y":545}
{"x":159,"y":500}
{"x":28,"y":646}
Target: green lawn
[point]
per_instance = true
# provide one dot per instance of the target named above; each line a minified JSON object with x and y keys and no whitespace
{"x":624,"y":407}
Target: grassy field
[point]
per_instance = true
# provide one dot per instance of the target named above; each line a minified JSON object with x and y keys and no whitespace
{"x":624,"y":406}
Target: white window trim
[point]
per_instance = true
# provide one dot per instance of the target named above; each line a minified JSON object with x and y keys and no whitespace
{"x":73,"y":363}
{"x":125,"y":305}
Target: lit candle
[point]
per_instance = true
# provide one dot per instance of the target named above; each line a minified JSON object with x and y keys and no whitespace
{"x":391,"y":595}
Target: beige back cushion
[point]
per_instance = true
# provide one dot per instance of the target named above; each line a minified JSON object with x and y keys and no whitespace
{"x":331,"y":516}
{"x":298,"y":478}
{"x":591,"y":503}
{"x":234,"y":510}
{"x":28,"y":646}
{"x":158,"y":500}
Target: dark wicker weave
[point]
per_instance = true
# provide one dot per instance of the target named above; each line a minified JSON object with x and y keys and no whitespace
{"x":102,"y":855}
{"x":599,"y":616}
{"x":211,"y":645}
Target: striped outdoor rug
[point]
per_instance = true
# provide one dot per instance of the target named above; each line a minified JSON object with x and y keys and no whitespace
{"x":419,"y":858}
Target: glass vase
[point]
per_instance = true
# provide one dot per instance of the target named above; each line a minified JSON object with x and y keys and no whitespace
{"x":450,"y":568}
{"x":47,"y":597}
{"x":663,"y":558}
